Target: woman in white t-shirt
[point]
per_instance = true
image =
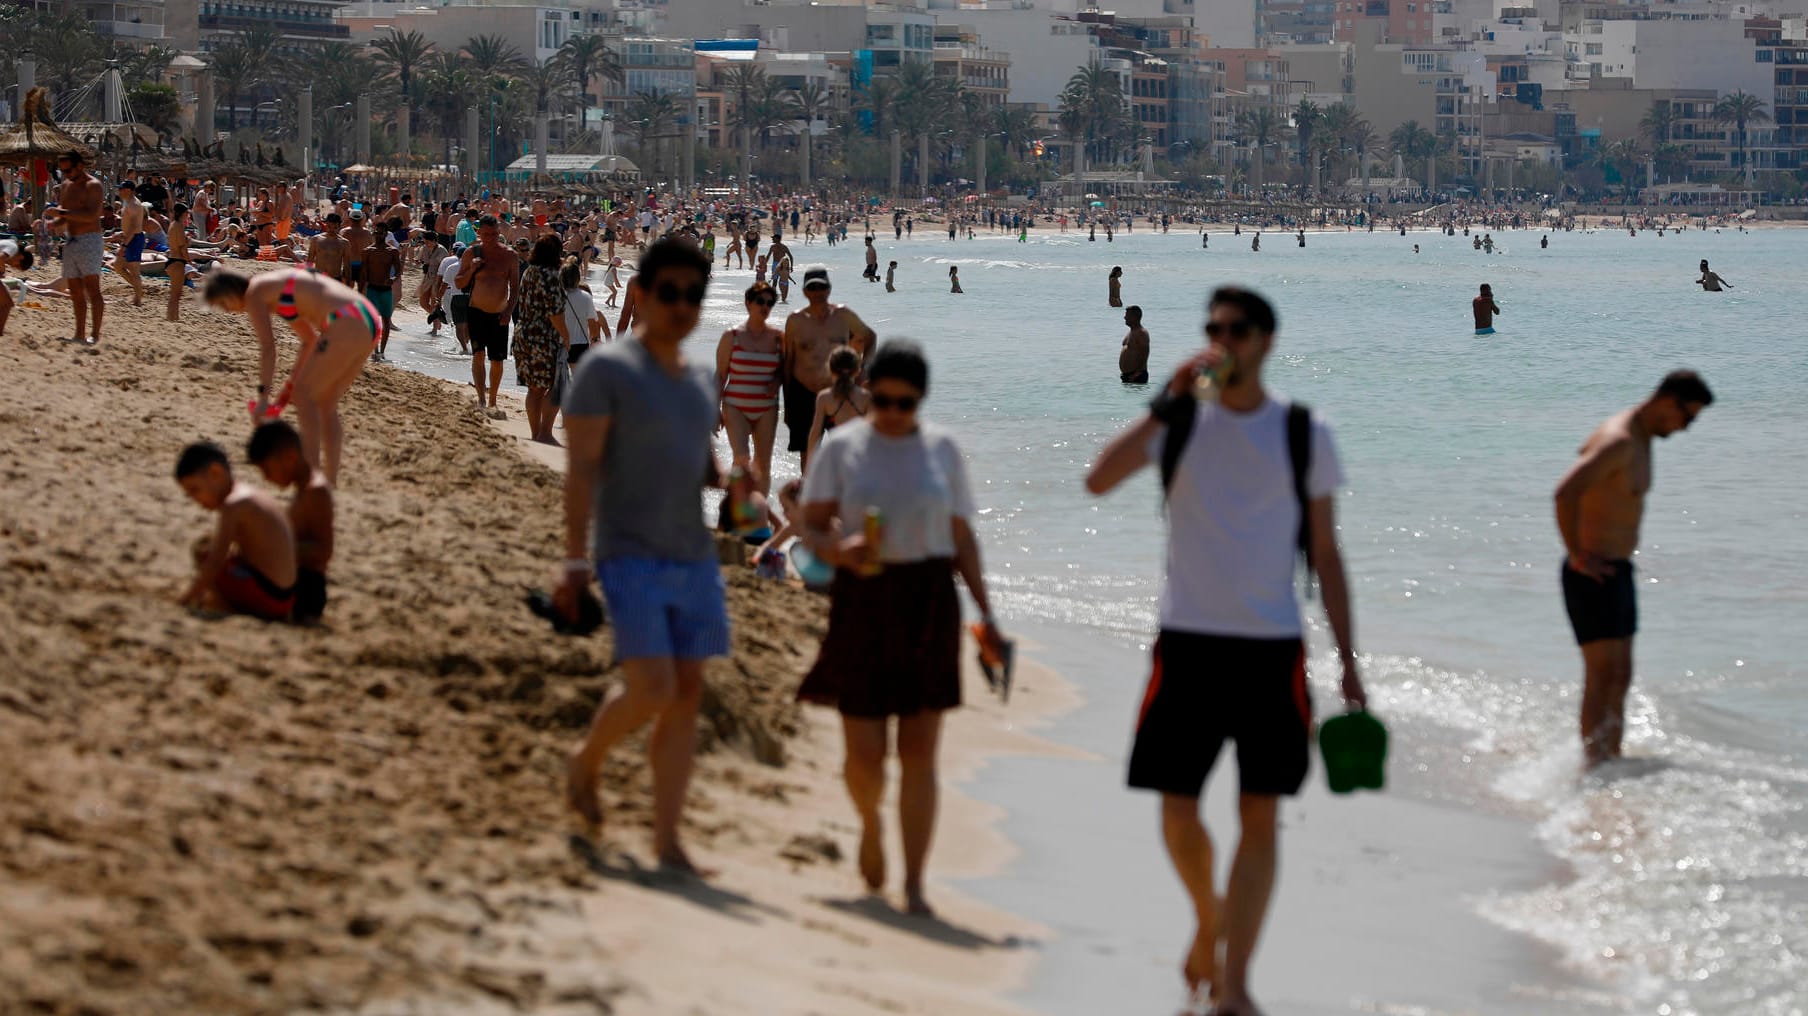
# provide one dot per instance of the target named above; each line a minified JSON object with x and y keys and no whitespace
{"x":893,"y":644}
{"x":582,"y":322}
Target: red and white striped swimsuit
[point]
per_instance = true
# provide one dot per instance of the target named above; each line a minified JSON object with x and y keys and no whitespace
{"x":752,"y":382}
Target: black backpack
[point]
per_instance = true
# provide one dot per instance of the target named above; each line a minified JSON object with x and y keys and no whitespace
{"x":1299,"y":453}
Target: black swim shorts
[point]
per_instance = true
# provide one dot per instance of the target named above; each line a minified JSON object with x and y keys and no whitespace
{"x":1205,"y":689}
{"x":461,"y":308}
{"x":488,"y":334}
{"x":1607,"y":609}
{"x":800,"y":413}
{"x":1141,"y":377}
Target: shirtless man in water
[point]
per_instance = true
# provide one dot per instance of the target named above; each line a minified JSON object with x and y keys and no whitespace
{"x":1133,"y":358}
{"x":811,"y":333}
{"x":489,"y":273}
{"x":1711,"y":281}
{"x":1600,"y":503}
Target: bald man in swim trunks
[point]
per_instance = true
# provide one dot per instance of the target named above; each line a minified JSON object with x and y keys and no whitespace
{"x":811,"y":333}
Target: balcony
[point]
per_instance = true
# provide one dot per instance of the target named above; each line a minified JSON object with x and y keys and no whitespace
{"x":314,"y":27}
{"x":127,"y":29}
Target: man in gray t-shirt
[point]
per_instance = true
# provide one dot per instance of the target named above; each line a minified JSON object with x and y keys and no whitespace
{"x":638,"y":423}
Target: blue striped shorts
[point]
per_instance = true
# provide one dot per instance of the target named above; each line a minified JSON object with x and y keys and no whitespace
{"x":665,"y":609}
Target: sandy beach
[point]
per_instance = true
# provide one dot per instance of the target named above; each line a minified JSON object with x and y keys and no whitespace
{"x":217,"y":815}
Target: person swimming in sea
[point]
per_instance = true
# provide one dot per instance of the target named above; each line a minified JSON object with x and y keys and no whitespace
{"x":1485,"y":308}
{"x":1711,"y":281}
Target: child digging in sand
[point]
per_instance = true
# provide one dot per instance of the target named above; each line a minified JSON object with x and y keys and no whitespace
{"x":275,"y":449}
{"x":248,"y":566}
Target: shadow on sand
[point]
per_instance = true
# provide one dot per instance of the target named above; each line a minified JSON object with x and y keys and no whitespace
{"x":687,"y":886}
{"x":877,"y":910}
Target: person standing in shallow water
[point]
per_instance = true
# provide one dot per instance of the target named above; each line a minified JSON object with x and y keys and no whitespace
{"x":1485,"y":308}
{"x":1114,"y":287}
{"x":1230,"y":660}
{"x":893,"y":645}
{"x":1600,"y":504}
{"x":1133,"y":358}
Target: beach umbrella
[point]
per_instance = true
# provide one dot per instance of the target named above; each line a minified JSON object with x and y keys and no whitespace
{"x":1097,"y":204}
{"x":1092,"y":197}
{"x":36,"y":136}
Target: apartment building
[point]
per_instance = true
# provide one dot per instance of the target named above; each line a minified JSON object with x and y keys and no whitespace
{"x":961,"y":57}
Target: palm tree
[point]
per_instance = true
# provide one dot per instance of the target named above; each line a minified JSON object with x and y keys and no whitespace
{"x":550,"y":85}
{"x":589,"y":56}
{"x":1623,"y":157}
{"x":878,"y":98}
{"x":493,"y":56}
{"x":1307,"y":118}
{"x":1411,"y":141}
{"x":1739,"y":109}
{"x":449,"y":88}
{"x":69,"y":53}
{"x":810,"y":103}
{"x":142,"y":65}
{"x":650,"y":117}
{"x":404,"y":52}
{"x":1015,"y":126}
{"x":235,"y":71}
{"x":1672,"y":160}
{"x":742,"y":82}
{"x":1658,"y":122}
{"x":1259,"y":128}
{"x":1331,"y":137}
{"x":1362,"y":139}
{"x":1096,"y":95}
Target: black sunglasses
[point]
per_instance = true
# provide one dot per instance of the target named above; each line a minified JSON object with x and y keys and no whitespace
{"x":1231,"y":330}
{"x":902,"y":403}
{"x":763,"y":301}
{"x":669,"y":293}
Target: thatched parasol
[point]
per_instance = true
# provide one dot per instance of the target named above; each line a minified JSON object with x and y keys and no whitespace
{"x":37,"y":136}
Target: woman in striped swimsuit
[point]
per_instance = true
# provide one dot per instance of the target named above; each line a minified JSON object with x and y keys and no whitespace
{"x":747,"y":371}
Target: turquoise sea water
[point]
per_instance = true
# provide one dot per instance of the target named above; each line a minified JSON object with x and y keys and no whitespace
{"x":1687,"y":886}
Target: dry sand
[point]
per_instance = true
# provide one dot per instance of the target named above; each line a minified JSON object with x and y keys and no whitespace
{"x":222,"y":816}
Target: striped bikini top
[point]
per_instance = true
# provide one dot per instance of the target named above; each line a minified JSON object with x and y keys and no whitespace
{"x":752,"y":379}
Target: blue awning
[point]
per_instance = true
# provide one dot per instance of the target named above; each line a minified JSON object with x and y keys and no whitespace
{"x":729,"y":49}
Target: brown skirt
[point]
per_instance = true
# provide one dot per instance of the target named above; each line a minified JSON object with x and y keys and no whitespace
{"x":893,"y":647}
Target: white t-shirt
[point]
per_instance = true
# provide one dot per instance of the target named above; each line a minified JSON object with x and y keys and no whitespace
{"x":1233,"y":522}
{"x":919,"y":482}
{"x":448,"y":272}
{"x":580,"y":309}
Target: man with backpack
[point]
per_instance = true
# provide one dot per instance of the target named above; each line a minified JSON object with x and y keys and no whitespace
{"x":1249,"y":481}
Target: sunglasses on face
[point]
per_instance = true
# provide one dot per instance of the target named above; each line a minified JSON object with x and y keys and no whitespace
{"x":762,"y":301}
{"x":668,"y":293}
{"x":1228,"y":330}
{"x":902,"y":403}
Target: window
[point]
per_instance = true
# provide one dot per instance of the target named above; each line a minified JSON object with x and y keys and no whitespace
{"x":881,"y":33}
{"x":1594,"y":49}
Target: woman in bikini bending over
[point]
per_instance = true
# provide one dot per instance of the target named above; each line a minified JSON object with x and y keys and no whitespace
{"x":337,"y":327}
{"x":747,"y":369}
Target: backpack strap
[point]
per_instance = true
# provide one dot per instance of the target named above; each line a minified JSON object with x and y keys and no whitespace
{"x":1178,"y":415}
{"x":1299,"y":453}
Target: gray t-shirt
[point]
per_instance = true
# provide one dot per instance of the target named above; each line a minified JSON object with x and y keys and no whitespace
{"x":649,"y":490}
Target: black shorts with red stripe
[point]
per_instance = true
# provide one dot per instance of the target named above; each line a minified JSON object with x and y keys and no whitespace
{"x":1205,"y":689}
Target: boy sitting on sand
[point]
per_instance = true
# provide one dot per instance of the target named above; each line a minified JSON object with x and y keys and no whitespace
{"x":10,"y":255}
{"x":248,"y":566}
{"x":275,"y":449}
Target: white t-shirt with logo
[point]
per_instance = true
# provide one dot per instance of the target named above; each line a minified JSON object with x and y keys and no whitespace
{"x":1233,"y":522}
